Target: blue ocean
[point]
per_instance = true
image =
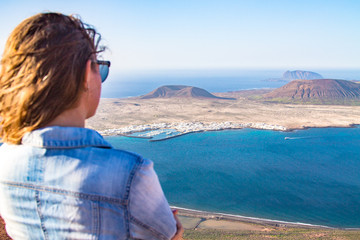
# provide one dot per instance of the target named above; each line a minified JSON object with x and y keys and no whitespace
{"x":309,"y":176}
{"x":312,"y":176}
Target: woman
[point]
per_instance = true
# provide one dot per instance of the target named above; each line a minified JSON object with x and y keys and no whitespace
{"x":59,"y":180}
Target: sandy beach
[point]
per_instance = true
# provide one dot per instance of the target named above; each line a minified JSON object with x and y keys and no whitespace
{"x":206,"y":225}
{"x":195,"y":218}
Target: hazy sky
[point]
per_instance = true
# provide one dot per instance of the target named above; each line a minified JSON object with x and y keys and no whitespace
{"x":192,"y":34}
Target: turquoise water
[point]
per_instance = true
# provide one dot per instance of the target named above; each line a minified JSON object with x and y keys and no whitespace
{"x":312,"y":177}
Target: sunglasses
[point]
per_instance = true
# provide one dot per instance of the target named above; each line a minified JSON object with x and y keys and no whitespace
{"x":103,"y":69}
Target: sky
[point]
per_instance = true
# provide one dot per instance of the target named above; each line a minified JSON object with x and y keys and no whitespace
{"x":207,"y":34}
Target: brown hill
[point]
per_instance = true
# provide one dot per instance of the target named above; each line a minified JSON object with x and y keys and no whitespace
{"x":180,"y":91}
{"x":318,"y":89}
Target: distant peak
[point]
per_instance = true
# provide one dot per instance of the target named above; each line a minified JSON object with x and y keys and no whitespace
{"x":179,"y":91}
{"x":300,"y":74}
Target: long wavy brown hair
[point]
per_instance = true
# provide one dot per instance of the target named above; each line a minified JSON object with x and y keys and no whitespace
{"x":42,"y":71}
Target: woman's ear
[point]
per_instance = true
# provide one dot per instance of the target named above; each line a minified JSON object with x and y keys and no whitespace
{"x":87,"y":75}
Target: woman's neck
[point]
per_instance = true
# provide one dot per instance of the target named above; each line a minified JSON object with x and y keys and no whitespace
{"x":70,"y":118}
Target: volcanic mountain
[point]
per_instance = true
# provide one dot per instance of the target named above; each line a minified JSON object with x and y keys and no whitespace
{"x":180,"y":91}
{"x":320,"y":90}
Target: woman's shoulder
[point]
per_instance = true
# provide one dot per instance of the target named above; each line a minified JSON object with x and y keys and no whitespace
{"x":118,"y":158}
{"x":116,"y":153}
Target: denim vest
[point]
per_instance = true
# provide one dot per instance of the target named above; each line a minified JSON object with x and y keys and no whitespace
{"x":69,"y":183}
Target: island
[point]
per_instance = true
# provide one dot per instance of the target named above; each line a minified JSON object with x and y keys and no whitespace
{"x":296,"y":75}
{"x":230,"y":110}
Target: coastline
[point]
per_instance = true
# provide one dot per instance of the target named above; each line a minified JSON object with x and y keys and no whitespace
{"x":188,"y":127}
{"x":124,"y":114}
{"x":195,"y":127}
{"x":205,"y":215}
{"x":208,"y":225}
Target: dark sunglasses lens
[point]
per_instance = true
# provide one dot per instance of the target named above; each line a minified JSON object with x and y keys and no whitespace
{"x":104,"y":72}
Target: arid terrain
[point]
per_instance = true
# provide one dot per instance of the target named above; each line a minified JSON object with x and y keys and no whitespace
{"x":118,"y":113}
